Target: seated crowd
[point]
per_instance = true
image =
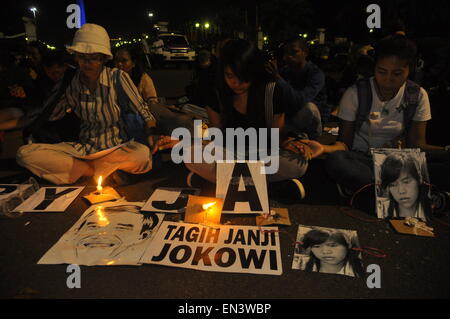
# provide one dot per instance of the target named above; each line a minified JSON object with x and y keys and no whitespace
{"x":244,"y":90}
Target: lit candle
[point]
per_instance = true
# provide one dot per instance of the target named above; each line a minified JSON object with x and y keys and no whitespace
{"x":207,"y":208}
{"x":99,"y":185}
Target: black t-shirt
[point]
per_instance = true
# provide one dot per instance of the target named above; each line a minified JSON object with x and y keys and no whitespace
{"x":255,"y":116}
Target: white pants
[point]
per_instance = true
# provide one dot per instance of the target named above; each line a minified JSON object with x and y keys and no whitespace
{"x":62,"y":164}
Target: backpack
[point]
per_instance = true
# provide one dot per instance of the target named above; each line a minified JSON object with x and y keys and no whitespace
{"x":408,"y":105}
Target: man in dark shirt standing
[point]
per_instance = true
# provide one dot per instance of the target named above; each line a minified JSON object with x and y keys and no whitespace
{"x":304,"y":88}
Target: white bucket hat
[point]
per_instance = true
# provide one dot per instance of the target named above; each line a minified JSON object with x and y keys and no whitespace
{"x":91,"y":38}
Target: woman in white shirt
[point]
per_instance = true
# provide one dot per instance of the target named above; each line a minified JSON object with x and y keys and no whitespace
{"x":348,"y":161}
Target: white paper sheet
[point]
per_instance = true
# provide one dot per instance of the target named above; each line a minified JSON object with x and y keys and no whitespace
{"x":253,"y":188}
{"x":328,"y":250}
{"x":238,"y":249}
{"x":117,"y":235}
{"x":8,"y":190}
{"x":169,"y":200}
{"x":406,"y":195}
{"x":50,"y":199}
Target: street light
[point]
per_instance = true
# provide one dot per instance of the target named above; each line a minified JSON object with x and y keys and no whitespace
{"x":197,"y":25}
{"x":33,"y":9}
{"x":150,"y":14}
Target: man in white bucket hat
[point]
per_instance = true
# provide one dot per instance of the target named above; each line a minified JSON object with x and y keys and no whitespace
{"x":104,"y":147}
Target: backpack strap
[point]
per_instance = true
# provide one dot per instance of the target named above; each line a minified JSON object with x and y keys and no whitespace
{"x":122,"y":97}
{"x":364,"y":102}
{"x":410,"y":103}
{"x":268,"y":103}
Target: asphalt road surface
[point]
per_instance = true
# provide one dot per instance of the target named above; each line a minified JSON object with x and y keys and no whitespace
{"x":414,"y":267}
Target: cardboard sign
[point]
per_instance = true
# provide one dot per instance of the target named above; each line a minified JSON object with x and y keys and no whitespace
{"x":169,"y":200}
{"x":50,"y":199}
{"x":402,"y":227}
{"x":197,"y":213}
{"x":277,"y":216}
{"x":238,"y":249}
{"x":9,"y":190}
{"x":114,"y":233}
{"x":328,"y":250}
{"x":242,"y":187}
{"x":402,"y":183}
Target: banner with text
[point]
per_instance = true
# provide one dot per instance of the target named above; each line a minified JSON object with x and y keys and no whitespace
{"x":240,"y":249}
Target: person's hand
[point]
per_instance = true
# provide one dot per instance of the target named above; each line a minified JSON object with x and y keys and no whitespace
{"x":298,"y":147}
{"x":316,"y":147}
{"x":17,"y":91}
{"x":272,"y":68}
{"x":163,"y":143}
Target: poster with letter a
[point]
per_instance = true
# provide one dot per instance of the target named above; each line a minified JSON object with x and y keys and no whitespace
{"x":242,"y":187}
{"x":237,"y":249}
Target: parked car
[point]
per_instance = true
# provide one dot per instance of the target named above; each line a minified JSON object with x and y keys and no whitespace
{"x":176,"y":48}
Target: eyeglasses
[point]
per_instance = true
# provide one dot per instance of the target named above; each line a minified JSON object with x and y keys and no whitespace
{"x":25,"y":190}
{"x":89,"y":57}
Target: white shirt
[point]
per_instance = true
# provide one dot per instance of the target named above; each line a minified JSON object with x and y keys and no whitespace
{"x":386,"y":127}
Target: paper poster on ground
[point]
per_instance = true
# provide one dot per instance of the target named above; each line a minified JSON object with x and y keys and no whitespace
{"x":402,"y":183}
{"x":114,"y":233}
{"x":169,"y":200}
{"x":243,"y":187}
{"x":8,"y":190}
{"x":328,"y":250}
{"x":50,"y":199}
{"x":237,"y":249}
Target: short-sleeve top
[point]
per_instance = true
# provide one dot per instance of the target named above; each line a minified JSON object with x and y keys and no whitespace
{"x":255,"y":116}
{"x":386,"y":122}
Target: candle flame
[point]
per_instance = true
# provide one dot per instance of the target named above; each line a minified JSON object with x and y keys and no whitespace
{"x":206,"y":206}
{"x":99,"y":184}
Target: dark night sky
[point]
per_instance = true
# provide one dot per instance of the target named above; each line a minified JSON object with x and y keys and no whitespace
{"x":130,"y":17}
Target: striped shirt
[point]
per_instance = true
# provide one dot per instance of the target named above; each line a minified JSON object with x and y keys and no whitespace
{"x":102,"y":126}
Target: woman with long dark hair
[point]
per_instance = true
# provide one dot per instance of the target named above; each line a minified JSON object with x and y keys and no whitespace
{"x":130,"y":59}
{"x":332,"y":252}
{"x":244,"y":91}
{"x":402,"y":181}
